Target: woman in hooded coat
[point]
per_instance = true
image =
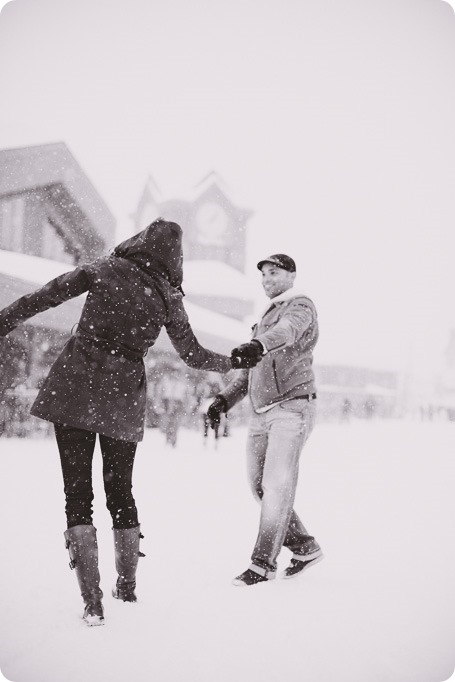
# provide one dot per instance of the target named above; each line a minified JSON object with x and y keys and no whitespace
{"x":98,"y":386}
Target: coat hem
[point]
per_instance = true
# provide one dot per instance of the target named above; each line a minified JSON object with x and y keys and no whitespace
{"x":77,"y":424}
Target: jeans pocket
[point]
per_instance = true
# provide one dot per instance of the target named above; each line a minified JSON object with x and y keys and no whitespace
{"x":294,"y":405}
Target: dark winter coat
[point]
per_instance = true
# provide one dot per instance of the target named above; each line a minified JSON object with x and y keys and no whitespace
{"x":98,"y":382}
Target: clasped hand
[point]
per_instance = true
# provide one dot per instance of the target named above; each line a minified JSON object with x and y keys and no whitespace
{"x":247,"y":355}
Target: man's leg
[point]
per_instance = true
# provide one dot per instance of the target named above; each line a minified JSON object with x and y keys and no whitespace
{"x":297,"y":538}
{"x":290,"y":424}
{"x":256,"y":450}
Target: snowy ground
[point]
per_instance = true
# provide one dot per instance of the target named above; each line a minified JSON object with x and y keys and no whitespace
{"x":380,"y":607}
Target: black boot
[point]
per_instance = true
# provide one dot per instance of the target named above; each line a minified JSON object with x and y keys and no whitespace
{"x":126,"y":543}
{"x":83,"y":550}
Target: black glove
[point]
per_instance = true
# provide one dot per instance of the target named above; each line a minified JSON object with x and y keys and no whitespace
{"x":247,"y":355}
{"x":214,"y":411}
{"x":5,"y":329}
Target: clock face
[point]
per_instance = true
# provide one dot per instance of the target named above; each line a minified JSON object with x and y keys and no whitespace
{"x":212,"y":223}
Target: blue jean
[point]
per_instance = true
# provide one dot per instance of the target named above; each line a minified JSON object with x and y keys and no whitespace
{"x":275,"y":441}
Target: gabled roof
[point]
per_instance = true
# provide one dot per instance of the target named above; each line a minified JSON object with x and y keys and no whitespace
{"x":53,"y":166}
{"x":211,"y":184}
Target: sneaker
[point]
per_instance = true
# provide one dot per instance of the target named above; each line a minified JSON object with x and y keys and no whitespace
{"x":298,"y":565}
{"x":254,"y":575}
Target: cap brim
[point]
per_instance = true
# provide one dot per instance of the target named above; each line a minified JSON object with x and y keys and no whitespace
{"x":262,"y":262}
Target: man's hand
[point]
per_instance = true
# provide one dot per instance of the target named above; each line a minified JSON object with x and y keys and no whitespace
{"x":247,"y":355}
{"x":214,"y":410}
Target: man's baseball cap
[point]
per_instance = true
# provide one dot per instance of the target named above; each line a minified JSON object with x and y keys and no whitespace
{"x":280,"y":259}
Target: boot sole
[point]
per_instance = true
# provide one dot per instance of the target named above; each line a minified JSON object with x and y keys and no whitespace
{"x":93,"y":621}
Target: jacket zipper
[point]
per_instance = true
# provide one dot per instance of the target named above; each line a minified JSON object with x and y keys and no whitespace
{"x":275,"y":376}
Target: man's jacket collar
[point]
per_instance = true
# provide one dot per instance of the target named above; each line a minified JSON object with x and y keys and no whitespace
{"x":285,"y":296}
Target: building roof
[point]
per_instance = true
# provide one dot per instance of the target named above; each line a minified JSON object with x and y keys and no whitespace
{"x":33,"y":269}
{"x":178,"y":203}
{"x":192,"y":193}
{"x":53,"y":166}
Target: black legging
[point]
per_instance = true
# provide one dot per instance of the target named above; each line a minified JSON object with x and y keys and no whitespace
{"x":76,"y":448}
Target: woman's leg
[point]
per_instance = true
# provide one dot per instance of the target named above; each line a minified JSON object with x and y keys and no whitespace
{"x":118,"y":460}
{"x":76,"y":448}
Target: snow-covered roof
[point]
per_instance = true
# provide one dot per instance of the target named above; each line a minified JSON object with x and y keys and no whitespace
{"x":214,"y":278}
{"x":201,"y":277}
{"x":31,"y":268}
{"x":51,"y":165}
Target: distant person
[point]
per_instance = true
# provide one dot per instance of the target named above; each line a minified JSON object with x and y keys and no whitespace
{"x":97,"y":385}
{"x":283,"y":396}
{"x":370,"y":408}
{"x":346,"y":410}
{"x":220,"y":425}
{"x":173,"y":393}
{"x":209,"y":390}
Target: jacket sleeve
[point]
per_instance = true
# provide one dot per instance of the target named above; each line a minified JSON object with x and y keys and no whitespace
{"x":62,"y":288}
{"x":295,"y":320}
{"x":237,"y":389}
{"x":186,"y":344}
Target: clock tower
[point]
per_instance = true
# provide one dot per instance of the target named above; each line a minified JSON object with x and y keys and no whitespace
{"x":214,"y":228}
{"x":214,"y":241}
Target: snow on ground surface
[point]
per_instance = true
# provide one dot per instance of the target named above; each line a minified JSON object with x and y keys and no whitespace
{"x":380,"y":607}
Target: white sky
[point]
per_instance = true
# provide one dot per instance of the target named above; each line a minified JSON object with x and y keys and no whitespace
{"x":332,"y":121}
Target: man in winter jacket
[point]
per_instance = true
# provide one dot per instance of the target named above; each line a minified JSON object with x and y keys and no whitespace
{"x":283,"y":396}
{"x":97,"y":385}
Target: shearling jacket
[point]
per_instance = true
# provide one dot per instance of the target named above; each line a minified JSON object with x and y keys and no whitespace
{"x":288,"y":330}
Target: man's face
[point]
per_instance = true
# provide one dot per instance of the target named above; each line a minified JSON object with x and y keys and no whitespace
{"x":275,"y":280}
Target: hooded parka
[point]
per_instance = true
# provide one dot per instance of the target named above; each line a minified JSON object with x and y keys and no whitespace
{"x":98,"y":382}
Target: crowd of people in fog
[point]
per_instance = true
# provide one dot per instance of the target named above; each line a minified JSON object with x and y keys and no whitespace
{"x":177,"y":400}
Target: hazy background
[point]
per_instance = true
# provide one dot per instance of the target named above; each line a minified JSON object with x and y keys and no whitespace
{"x":333,"y":122}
